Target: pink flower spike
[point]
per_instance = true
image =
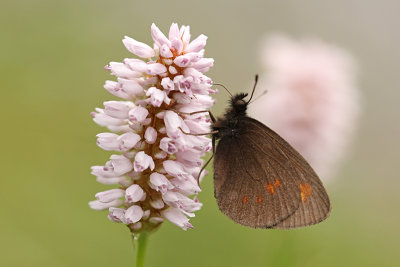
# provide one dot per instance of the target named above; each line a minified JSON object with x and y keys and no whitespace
{"x":154,"y":176}
{"x":133,"y":214}
{"x":142,"y":162}
{"x":138,"y":48}
{"x":158,"y":37}
{"x":134,"y":193}
{"x":138,"y":114}
{"x":150,"y":135}
{"x":177,"y":217}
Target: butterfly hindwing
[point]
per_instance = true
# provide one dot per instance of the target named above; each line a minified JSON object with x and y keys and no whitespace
{"x":314,"y":204}
{"x":250,"y":185}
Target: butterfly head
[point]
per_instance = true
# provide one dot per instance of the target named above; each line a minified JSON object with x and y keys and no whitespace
{"x":238,"y":104}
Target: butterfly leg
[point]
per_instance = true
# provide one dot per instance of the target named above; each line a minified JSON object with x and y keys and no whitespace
{"x":208,"y":161}
{"x":191,"y":113}
{"x":202,"y":169}
{"x":196,"y":112}
{"x":212,"y":117}
{"x":198,"y":134}
{"x":213,"y":144}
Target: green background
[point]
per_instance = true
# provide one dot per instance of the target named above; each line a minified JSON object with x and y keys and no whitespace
{"x":52,"y":56}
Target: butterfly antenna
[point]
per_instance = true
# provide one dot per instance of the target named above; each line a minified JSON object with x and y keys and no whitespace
{"x":224,"y":88}
{"x":263,"y":93}
{"x":254,"y":88}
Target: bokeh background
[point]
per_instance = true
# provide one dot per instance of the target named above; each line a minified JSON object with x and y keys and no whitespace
{"x":52,"y":57}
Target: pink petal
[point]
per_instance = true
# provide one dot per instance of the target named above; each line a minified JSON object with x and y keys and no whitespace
{"x":130,"y":87}
{"x":122,"y":70}
{"x":165,"y":51}
{"x":167,"y":145}
{"x":108,"y":141}
{"x":115,"y":89}
{"x":128,"y":141}
{"x":174,"y":32}
{"x":155,"y":69}
{"x":110,"y":195}
{"x":133,"y":214}
{"x":150,"y":135}
{"x":116,"y":214}
{"x":197,"y":44}
{"x":160,"y":183}
{"x":138,"y":114}
{"x":143,"y":161}
{"x":118,"y":109}
{"x":134,"y":193}
{"x":177,"y":217}
{"x":97,"y":205}
{"x":136,"y":64}
{"x":138,"y":48}
{"x":158,"y":37}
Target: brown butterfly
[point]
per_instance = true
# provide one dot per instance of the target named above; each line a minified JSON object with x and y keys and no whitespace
{"x":260,"y":180}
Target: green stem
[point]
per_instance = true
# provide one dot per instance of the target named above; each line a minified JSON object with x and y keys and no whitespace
{"x":141,"y":244}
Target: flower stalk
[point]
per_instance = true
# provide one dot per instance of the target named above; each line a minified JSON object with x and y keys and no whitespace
{"x":140,"y":245}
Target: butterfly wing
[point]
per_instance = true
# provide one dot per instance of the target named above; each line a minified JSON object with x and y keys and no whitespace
{"x":262,"y":182}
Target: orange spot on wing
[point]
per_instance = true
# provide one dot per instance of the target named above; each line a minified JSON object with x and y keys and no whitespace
{"x":305,"y":191}
{"x":245,"y":200}
{"x":270,"y":188}
{"x":277,"y":183}
{"x":259,"y":199}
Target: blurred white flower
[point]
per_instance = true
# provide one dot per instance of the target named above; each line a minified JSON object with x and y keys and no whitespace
{"x":155,"y":173}
{"x":312,"y":101}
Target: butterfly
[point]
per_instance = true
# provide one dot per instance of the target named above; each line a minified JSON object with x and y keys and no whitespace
{"x":260,"y":180}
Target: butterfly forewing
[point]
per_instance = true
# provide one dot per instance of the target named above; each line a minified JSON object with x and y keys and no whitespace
{"x":313,"y":200}
{"x":253,"y":190}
